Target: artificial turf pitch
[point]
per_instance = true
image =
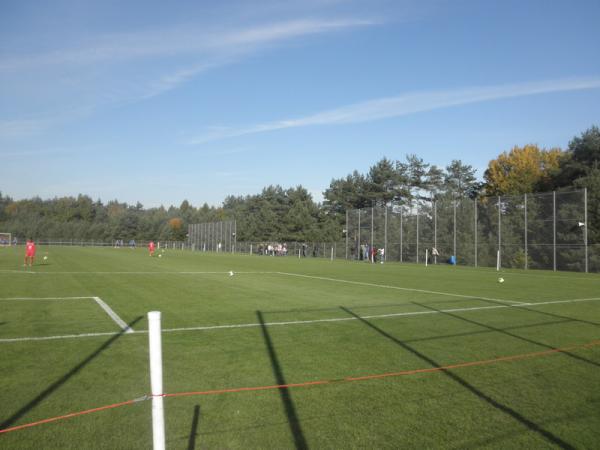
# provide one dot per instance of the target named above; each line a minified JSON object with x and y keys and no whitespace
{"x":365,"y":355}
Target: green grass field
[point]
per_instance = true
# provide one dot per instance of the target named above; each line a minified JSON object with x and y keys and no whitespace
{"x":408,"y":356}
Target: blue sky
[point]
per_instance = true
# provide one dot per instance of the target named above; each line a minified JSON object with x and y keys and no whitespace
{"x":158,"y":102}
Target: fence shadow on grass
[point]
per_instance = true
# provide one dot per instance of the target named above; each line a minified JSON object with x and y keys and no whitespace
{"x":508,"y":333}
{"x":481,"y":395}
{"x":62,"y":380}
{"x":286,"y":398}
{"x":558,"y":316}
{"x":194,"y":430}
{"x":475,"y":333}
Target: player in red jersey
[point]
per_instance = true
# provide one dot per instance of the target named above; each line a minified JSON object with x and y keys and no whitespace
{"x":151,"y":248}
{"x":29,"y":252}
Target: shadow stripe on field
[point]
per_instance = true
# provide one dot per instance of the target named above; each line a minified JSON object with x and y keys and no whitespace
{"x":499,"y":406}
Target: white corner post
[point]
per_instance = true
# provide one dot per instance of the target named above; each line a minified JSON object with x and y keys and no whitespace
{"x":332,"y":253}
{"x":426,"y":256}
{"x":156,"y":380}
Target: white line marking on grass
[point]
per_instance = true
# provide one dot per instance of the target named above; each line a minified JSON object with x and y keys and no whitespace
{"x":152,"y":273}
{"x":304,"y":322}
{"x":385,"y":286}
{"x":113,"y":315}
{"x":51,"y":338}
{"x":554,"y":302}
{"x":43,"y":298}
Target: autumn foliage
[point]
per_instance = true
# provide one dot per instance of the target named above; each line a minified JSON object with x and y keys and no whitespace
{"x":522,"y":170}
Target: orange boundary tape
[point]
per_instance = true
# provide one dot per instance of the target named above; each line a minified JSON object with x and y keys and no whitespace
{"x":314,"y":383}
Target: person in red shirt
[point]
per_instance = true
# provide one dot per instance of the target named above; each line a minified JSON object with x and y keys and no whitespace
{"x":29,"y":252}
{"x":151,"y":248}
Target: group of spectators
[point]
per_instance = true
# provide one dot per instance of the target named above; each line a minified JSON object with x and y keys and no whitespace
{"x":370,"y":253}
{"x":273,"y":249}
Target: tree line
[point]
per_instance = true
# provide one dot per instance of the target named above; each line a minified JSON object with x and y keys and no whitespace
{"x":291,"y":214}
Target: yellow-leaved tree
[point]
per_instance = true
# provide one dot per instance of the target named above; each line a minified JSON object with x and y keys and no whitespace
{"x":522,"y":170}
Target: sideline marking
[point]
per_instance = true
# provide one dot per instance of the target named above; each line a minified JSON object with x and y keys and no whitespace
{"x":385,"y":286}
{"x":43,"y":298}
{"x":113,"y":315}
{"x":305,"y":322}
{"x":150,"y":273}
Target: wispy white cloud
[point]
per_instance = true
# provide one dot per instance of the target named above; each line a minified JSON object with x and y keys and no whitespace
{"x":402,"y":105}
{"x":125,"y":47}
{"x":107,"y":70}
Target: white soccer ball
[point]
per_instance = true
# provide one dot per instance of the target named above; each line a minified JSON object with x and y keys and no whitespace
{"x":500,"y":280}
{"x":45,"y":258}
{"x":230,"y":273}
{"x":160,"y":256}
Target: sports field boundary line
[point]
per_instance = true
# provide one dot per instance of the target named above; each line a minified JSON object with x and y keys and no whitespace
{"x":44,"y":298}
{"x":303,"y":322}
{"x":113,"y":315}
{"x":323,"y":382}
{"x":387,"y":286}
{"x":151,"y":272}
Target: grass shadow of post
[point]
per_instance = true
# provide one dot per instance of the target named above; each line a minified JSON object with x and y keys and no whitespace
{"x":62,"y":380}
{"x":464,"y":383}
{"x":194,"y":430}
{"x":286,"y":399}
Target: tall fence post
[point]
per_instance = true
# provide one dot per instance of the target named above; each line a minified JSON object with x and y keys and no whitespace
{"x":372,"y":231}
{"x":401,"y":227}
{"x":359,"y":241}
{"x":475,"y":233}
{"x":385,"y":224}
{"x":156,"y":381}
{"x":526,"y":246}
{"x":499,"y":258}
{"x":585,"y":228}
{"x":454,"y":231}
{"x":347,"y":233}
{"x":417,"y":247}
{"x":554,"y":230}
{"x":435,"y":230}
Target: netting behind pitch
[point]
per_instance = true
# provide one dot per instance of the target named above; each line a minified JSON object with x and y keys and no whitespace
{"x":212,"y":236}
{"x":532,"y":231}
